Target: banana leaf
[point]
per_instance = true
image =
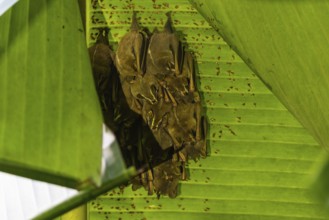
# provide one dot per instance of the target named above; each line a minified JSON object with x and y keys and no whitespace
{"x":5,"y":5}
{"x":286,"y":44}
{"x":260,"y":157}
{"x":50,"y":119}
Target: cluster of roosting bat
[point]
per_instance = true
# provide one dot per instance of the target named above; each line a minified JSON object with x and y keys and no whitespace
{"x":149,"y":100}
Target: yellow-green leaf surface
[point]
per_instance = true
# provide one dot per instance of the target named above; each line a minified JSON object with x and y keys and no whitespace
{"x":50,"y":119}
{"x":286,"y":44}
{"x":260,"y":157}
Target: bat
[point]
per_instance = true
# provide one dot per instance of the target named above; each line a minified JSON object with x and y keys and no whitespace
{"x":102,"y":67}
{"x":149,"y":98}
{"x":175,"y":119}
{"x":166,"y":177}
{"x":116,"y":113}
{"x":178,"y":113}
{"x":171,"y":108}
{"x":131,"y":51}
{"x":130,"y":62}
{"x":165,"y":51}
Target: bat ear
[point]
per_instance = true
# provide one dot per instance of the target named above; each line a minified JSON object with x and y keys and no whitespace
{"x":134,"y":24}
{"x":103,"y":36}
{"x":168,"y":26}
{"x":155,"y":30}
{"x":106,"y":31}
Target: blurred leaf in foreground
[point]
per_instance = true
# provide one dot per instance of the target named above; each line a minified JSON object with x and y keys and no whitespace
{"x":50,"y":119}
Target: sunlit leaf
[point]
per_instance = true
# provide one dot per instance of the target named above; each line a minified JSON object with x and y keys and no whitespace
{"x":50,"y":119}
{"x":260,"y":156}
{"x":286,"y":44}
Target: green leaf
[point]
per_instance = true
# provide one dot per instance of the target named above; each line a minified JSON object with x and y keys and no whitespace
{"x":286,"y":44}
{"x":260,"y":157}
{"x":87,"y":195}
{"x":320,"y":185}
{"x":50,"y":119}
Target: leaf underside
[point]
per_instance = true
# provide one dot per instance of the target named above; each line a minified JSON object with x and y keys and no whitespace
{"x":50,"y":120}
{"x":259,"y":155}
{"x":286,"y":44}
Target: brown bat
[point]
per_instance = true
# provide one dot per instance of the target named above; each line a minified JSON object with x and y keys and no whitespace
{"x":166,"y":177}
{"x":131,"y":52}
{"x":172,"y":131}
{"x":192,"y":99}
{"x":164,"y":55}
{"x":102,"y":66}
{"x":182,"y":87}
{"x":163,"y":50}
{"x":154,"y":156}
{"x":178,"y":114}
{"x":130,"y":61}
{"x":161,"y":179}
{"x":175,"y":119}
{"x":145,"y":88}
{"x":116,"y":112}
{"x":159,"y":55}
{"x":156,"y":116}
{"x":155,"y":86}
